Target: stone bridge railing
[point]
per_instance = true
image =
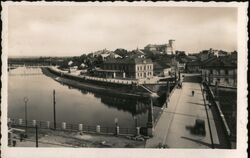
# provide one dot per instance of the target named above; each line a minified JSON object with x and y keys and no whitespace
{"x":214,"y":102}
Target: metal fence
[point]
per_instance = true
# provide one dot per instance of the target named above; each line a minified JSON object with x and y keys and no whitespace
{"x":63,"y":126}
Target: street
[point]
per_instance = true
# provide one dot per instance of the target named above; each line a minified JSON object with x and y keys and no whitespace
{"x":174,"y":128}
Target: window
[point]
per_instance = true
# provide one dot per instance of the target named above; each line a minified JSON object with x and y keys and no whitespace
{"x":226,"y":72}
{"x":226,"y":80}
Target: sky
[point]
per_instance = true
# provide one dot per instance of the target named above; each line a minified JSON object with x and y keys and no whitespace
{"x":74,"y":30}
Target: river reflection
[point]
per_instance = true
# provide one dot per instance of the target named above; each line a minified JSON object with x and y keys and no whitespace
{"x":73,"y":105}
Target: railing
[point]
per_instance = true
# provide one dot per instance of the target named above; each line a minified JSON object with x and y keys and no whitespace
{"x":63,"y":126}
{"x":212,"y":99}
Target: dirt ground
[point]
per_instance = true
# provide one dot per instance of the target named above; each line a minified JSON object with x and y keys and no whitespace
{"x":51,"y":138}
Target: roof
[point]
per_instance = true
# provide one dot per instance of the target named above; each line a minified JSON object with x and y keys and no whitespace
{"x":195,"y":63}
{"x":192,"y":57}
{"x":160,"y":65}
{"x":105,"y":55}
{"x":128,"y":61}
{"x":220,"y":62}
{"x":157,"y":45}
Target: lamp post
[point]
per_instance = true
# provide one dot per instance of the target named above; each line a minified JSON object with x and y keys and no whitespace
{"x":25,"y":99}
{"x":116,"y":122}
{"x":116,"y":126}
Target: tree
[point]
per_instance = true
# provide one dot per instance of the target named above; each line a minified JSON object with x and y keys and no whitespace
{"x":122,"y":52}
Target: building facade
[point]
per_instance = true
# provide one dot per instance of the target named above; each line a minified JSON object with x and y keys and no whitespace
{"x":221,"y":71}
{"x":127,"y":68}
{"x":194,"y":66}
{"x":168,"y":48}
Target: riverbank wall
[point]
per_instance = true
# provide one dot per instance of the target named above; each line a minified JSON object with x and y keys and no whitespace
{"x":82,"y":82}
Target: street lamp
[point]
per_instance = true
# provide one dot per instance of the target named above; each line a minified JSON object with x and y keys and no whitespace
{"x":116,"y":126}
{"x":25,"y":99}
{"x":116,"y":122}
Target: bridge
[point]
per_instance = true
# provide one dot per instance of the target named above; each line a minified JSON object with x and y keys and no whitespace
{"x":25,"y":70}
{"x":27,"y":66}
{"x":176,"y":128}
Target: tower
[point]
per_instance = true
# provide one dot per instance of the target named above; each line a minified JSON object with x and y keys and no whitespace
{"x":172,"y":46}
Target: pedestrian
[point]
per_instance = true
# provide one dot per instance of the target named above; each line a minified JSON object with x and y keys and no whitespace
{"x":192,"y":93}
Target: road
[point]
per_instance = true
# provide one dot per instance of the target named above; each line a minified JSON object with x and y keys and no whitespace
{"x":173,"y":130}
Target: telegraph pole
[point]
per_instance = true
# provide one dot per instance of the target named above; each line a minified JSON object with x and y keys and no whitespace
{"x":36,"y":137}
{"x":54,"y":105}
{"x":26,"y":115}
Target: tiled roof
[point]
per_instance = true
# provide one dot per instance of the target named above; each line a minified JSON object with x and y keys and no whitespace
{"x":225,"y":62}
{"x":195,"y":63}
{"x":160,"y":65}
{"x":129,"y":61}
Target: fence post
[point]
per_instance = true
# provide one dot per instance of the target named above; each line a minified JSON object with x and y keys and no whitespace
{"x":36,"y":136}
{"x":20,"y":121}
{"x":80,"y":127}
{"x":48,"y":124}
{"x":117,"y":130}
{"x":137,"y":131}
{"x":34,"y":123}
{"x":63,"y":125}
{"x":98,"y":129}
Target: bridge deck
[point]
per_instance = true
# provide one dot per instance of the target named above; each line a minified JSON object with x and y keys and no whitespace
{"x":174,"y":126}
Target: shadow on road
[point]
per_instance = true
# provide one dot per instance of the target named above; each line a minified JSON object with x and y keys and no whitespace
{"x":200,"y":142}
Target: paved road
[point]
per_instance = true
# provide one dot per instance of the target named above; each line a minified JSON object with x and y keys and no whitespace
{"x":174,"y":126}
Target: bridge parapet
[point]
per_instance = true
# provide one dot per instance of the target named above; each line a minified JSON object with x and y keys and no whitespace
{"x":214,"y":102}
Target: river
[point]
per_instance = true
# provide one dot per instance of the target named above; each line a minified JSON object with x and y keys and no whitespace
{"x":72,"y":105}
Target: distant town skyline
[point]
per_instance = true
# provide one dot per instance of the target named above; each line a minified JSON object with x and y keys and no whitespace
{"x":75,"y":30}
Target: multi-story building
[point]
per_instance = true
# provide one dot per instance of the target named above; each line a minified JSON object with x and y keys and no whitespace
{"x":133,"y":68}
{"x":168,"y":48}
{"x":194,"y":66}
{"x":221,"y":71}
{"x":162,"y":69}
{"x":206,"y":54}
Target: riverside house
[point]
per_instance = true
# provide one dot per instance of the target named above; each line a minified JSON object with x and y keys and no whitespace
{"x":220,"y":70}
{"x":127,"y":68}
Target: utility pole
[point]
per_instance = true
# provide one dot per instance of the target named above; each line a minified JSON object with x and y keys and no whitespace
{"x":54,"y":105}
{"x":36,"y":137}
{"x":26,"y":115}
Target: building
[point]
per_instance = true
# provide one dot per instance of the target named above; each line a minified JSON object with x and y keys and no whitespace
{"x":106,"y":56}
{"x":221,"y":71}
{"x":162,"y":69}
{"x":137,"y":68}
{"x":194,"y":66}
{"x":206,"y":54}
{"x":168,"y":48}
